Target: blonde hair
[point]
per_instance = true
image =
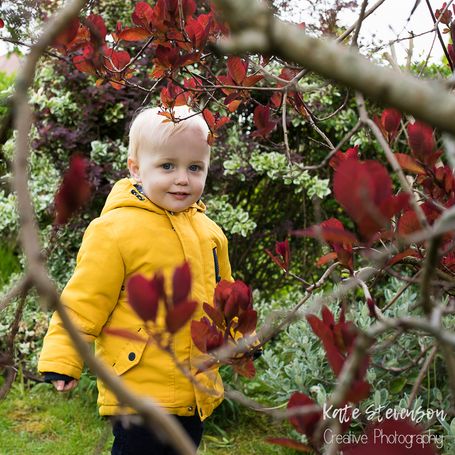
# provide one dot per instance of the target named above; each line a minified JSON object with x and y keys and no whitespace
{"x":151,"y":127}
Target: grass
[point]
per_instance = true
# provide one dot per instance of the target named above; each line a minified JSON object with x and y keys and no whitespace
{"x":38,"y":420}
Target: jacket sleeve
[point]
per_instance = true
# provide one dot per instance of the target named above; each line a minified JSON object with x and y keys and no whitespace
{"x":89,"y":297}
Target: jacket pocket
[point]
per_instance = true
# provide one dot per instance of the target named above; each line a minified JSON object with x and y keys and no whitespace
{"x":129,"y":356}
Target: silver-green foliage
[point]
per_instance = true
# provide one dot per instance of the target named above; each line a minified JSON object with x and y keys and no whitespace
{"x":43,"y":183}
{"x":276,"y":166}
{"x":296,"y":360}
{"x":113,"y":152}
{"x":234,"y":220}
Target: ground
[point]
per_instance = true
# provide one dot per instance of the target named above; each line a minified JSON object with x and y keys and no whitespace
{"x":39,"y":421}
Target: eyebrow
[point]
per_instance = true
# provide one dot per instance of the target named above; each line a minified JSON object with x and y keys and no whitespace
{"x":173,"y":159}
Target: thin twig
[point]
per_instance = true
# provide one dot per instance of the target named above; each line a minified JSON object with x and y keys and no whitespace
{"x":422,"y":373}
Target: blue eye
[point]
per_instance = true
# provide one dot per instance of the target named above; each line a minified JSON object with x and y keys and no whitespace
{"x":195,"y":167}
{"x":167,"y":166}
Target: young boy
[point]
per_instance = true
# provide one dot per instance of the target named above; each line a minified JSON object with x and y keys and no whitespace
{"x":151,"y":222}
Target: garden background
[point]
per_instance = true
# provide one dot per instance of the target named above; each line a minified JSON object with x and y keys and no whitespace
{"x":265,"y":185}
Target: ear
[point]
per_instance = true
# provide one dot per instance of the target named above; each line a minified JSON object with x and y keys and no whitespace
{"x":133,"y":166}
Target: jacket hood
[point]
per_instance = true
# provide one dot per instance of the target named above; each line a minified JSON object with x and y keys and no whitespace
{"x":125,"y":194}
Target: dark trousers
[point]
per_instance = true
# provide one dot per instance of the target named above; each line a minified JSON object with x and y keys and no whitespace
{"x":138,"y":440}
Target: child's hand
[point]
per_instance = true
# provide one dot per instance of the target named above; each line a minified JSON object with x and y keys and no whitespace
{"x":60,"y":386}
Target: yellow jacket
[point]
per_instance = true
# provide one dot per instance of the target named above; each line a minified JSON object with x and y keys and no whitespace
{"x":134,"y":236}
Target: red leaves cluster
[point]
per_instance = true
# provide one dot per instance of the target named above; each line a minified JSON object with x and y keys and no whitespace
{"x":262,"y":121}
{"x":389,"y":123}
{"x":445,"y":17}
{"x":214,"y":122}
{"x":338,"y":238}
{"x":338,"y":339}
{"x":231,"y":317}
{"x":74,"y":190}
{"x":86,"y":41}
{"x":169,"y":59}
{"x":174,"y":47}
{"x":283,"y":255}
{"x":364,"y":190}
{"x":145,"y":295}
{"x":157,"y":20}
{"x":436,"y":179}
{"x":237,"y":76}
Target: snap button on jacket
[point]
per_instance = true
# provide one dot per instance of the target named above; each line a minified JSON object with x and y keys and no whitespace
{"x":134,"y":236}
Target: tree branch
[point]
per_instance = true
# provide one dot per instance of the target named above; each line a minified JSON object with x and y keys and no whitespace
{"x":255,"y":29}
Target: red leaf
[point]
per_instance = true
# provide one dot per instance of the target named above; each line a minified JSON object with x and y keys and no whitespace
{"x":214,"y":122}
{"x":66,"y":36}
{"x":133,"y":34}
{"x":142,"y":15}
{"x":89,"y":61}
{"x":179,"y":315}
{"x":222,"y":293}
{"x":335,"y":358}
{"x":233,"y":105}
{"x":408,"y":223}
{"x":2,"y":23}
{"x":209,"y":119}
{"x":282,"y":248}
{"x":410,"y":252}
{"x":205,"y":335}
{"x":264,"y":125}
{"x":387,"y":437}
{"x":245,"y":368}
{"x":326,"y":258}
{"x":290,"y":444}
{"x":199,"y":333}
{"x":305,"y":423}
{"x":123,"y":333}
{"x":252,"y":80}
{"x":329,"y":232}
{"x":237,"y":69}
{"x":421,"y":140}
{"x":361,"y":188}
{"x":276,"y":260}
{"x":247,"y":322}
{"x":74,"y":190}
{"x":350,"y":154}
{"x":243,"y":294}
{"x":116,"y":60}
{"x":391,"y":119}
{"x":214,"y":314}
{"x":408,"y":163}
{"x":143,"y":296}
{"x":231,"y":308}
{"x":327,"y":316}
{"x":451,"y":50}
{"x":359,"y":391}
{"x":394,"y":204}
{"x":99,"y":27}
{"x":181,"y":283}
{"x":446,"y":17}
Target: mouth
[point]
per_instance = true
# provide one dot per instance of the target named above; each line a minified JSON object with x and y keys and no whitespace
{"x":179,"y":194}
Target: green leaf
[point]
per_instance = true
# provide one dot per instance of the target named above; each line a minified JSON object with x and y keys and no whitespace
{"x":396,"y":386}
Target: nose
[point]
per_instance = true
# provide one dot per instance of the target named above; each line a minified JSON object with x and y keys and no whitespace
{"x":181,"y":177}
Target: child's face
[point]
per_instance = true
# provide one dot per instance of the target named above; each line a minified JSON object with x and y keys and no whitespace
{"x":174,"y":176}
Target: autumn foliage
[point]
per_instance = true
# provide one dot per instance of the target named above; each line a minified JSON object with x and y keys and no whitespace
{"x":379,"y":222}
